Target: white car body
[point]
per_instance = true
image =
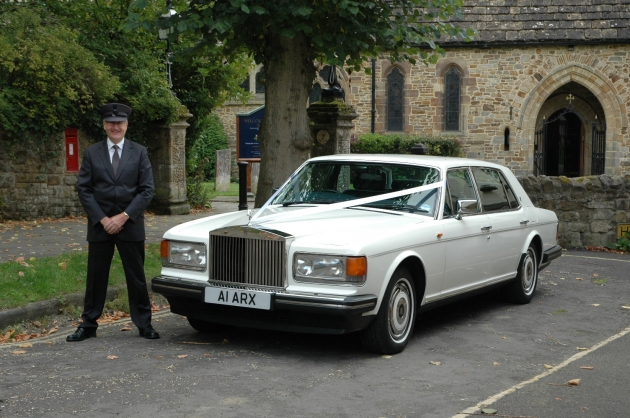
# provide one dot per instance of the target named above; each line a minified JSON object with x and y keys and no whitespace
{"x":439,"y":254}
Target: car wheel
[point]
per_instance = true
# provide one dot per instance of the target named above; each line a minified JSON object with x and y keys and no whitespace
{"x":205,"y":326}
{"x":524,"y":285}
{"x":390,"y":331}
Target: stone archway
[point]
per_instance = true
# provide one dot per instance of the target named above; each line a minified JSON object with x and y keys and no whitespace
{"x":549,"y":93}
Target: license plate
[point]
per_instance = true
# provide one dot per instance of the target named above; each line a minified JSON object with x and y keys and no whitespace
{"x":237,"y":297}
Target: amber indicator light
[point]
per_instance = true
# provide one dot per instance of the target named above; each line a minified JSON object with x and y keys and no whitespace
{"x":356,"y":266}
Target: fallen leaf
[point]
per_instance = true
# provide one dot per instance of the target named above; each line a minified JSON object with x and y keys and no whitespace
{"x":587,"y":367}
{"x":495,"y":363}
{"x":562,"y":278}
{"x":112,"y":357}
{"x":436,"y":363}
{"x":53,"y":330}
{"x":158,"y":356}
{"x":574,"y":382}
{"x":127,"y":327}
{"x":595,"y":274}
{"x":63,"y":265}
{"x":548,"y":366}
{"x":19,"y":260}
{"x":625,"y":307}
{"x":488,"y":411}
{"x":26,"y":345}
{"x":182,"y":356}
{"x":558,"y":399}
{"x":206,"y":355}
{"x":582,"y":349}
{"x":578,"y":278}
{"x":37,"y":324}
{"x":595,"y":304}
{"x":386,"y":356}
{"x":21,"y":273}
{"x":19,"y":352}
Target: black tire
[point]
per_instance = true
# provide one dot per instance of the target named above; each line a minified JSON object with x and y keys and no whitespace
{"x":392,"y":328}
{"x":524,"y":285}
{"x":205,"y":326}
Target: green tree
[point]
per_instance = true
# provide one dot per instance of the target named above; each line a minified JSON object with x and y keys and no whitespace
{"x":47,"y":79}
{"x":288,"y":36}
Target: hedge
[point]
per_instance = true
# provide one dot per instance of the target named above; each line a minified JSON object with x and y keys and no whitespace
{"x":402,"y":144}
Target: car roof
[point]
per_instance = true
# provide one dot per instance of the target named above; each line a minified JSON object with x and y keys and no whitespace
{"x":434,"y":161}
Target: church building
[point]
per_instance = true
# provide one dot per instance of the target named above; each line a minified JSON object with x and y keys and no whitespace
{"x":542,"y":89}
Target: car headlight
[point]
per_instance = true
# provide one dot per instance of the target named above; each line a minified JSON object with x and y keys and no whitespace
{"x":322,"y":268}
{"x":183,"y":255}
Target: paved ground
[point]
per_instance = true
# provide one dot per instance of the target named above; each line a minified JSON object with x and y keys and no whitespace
{"x":54,"y":237}
{"x":478,"y":353}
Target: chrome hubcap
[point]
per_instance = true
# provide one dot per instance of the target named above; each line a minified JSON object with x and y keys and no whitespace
{"x":529,"y":272}
{"x":400,"y":310}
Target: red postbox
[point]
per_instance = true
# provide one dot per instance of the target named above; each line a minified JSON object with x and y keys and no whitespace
{"x":72,"y":150}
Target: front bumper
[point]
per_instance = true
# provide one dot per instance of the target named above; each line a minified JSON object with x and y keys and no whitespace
{"x":289,"y":312}
{"x":549,"y":255}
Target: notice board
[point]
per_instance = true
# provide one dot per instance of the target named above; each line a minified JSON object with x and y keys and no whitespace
{"x":247,"y":125}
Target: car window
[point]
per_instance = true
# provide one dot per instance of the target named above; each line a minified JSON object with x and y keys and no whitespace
{"x":460,"y":186}
{"x":330,"y":182}
{"x":491,"y":188}
{"x":514,"y":203}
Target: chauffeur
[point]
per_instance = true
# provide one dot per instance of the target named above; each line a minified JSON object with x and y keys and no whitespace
{"x":115,"y":186}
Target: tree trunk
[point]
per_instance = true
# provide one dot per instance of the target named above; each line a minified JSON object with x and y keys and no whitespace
{"x":284,"y":136}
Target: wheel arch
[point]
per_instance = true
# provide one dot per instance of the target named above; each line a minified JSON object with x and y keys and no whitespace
{"x":535,"y":240}
{"x":414,"y":264}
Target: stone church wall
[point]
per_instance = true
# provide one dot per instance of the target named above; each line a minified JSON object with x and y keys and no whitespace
{"x":506,"y":87}
{"x":589,"y":209}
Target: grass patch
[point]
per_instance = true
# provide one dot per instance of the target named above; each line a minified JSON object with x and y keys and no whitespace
{"x":53,"y":277}
{"x":213,"y":193}
{"x":599,"y":281}
{"x":559,"y":311}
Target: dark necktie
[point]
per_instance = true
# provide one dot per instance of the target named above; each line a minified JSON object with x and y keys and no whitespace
{"x":115,"y":161}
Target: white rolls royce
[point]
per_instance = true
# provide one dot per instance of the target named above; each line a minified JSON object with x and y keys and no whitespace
{"x":360,"y":243}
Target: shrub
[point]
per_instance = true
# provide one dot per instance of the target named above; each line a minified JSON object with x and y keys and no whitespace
{"x":202,"y":156}
{"x":402,"y":144}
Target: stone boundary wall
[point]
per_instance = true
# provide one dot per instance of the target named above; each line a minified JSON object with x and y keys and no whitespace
{"x":588,"y":208}
{"x":34,"y":183}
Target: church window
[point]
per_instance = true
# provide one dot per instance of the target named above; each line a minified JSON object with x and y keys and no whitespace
{"x":452,"y":99}
{"x":395,"y":100}
{"x":506,"y":139}
{"x":260,"y":80}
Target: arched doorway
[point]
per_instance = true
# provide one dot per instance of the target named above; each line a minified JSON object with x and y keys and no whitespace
{"x":563,"y":145}
{"x":571,"y":141}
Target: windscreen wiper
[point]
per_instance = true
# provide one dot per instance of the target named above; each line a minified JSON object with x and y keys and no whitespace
{"x":316,"y":201}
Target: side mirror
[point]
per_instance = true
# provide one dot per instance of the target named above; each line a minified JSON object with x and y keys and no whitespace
{"x":466,"y":207}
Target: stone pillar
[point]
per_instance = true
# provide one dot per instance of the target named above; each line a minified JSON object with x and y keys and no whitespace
{"x":331,"y":127}
{"x":222,"y":170}
{"x":168,"y":158}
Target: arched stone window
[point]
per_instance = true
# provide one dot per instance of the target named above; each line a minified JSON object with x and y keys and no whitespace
{"x":506,"y":139}
{"x":395,"y":100}
{"x":245,"y":84}
{"x":260,"y":80}
{"x":452,"y":99}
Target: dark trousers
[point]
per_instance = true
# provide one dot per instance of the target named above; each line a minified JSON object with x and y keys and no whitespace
{"x":100,"y":256}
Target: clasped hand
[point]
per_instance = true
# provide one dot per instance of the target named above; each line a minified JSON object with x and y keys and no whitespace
{"x":114,"y":224}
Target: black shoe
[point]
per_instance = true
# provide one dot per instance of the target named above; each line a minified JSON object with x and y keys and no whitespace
{"x":149,"y":333}
{"x":81,"y":334}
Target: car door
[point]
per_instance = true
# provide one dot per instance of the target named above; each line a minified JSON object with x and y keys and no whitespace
{"x":506,"y":218}
{"x":466,"y":239}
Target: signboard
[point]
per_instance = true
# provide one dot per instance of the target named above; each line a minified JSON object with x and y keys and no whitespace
{"x":247,"y":124}
{"x":622,"y":229}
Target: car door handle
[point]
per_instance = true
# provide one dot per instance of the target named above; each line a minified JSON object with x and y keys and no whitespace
{"x":486,"y":228}
{"x":524,"y":221}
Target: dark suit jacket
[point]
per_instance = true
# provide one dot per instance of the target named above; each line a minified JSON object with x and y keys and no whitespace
{"x":103,"y":195}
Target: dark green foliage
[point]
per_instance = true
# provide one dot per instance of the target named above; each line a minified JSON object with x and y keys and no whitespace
{"x":622,"y":244}
{"x":402,"y":144}
{"x":202,"y":154}
{"x":48,"y":81}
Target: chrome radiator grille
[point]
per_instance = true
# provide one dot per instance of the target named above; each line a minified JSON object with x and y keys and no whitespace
{"x":247,"y":256}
